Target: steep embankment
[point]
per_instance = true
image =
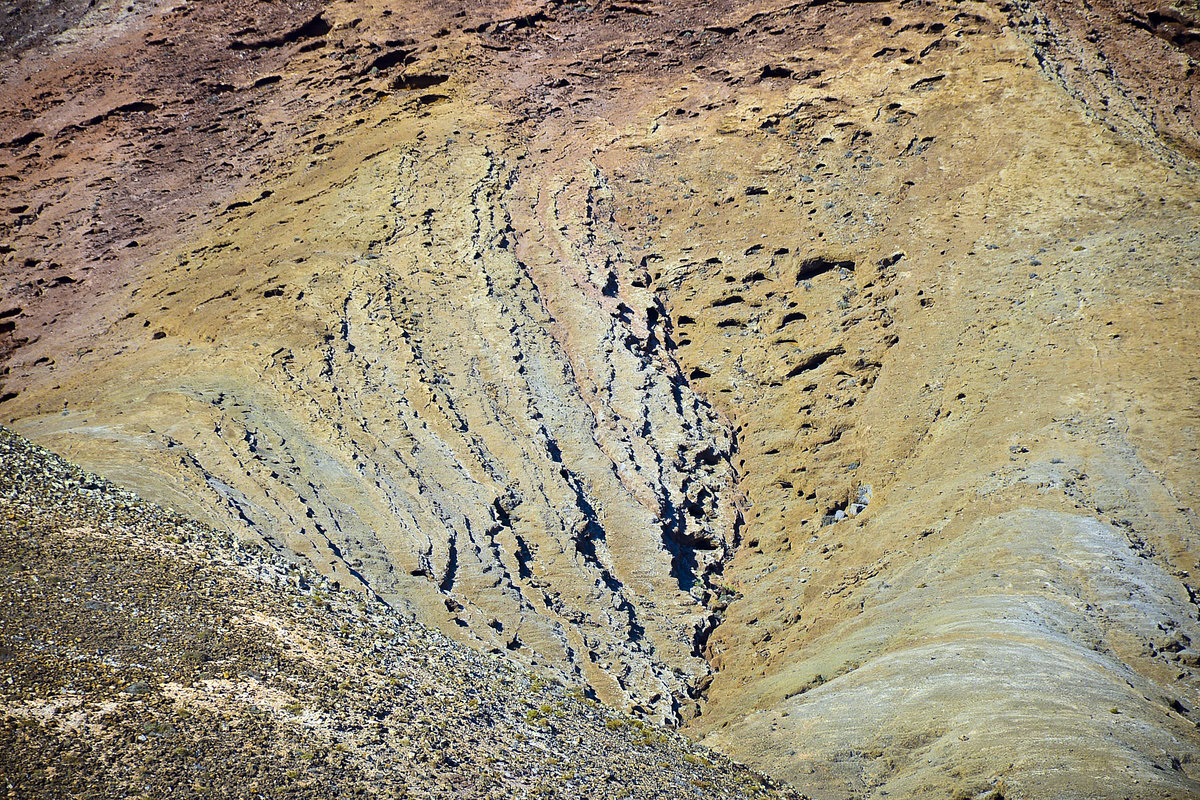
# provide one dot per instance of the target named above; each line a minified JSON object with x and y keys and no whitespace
{"x":524,"y":318}
{"x":367,"y":364}
{"x":146,"y":655}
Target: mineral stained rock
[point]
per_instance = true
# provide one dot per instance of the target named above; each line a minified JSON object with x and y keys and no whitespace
{"x":820,"y":376}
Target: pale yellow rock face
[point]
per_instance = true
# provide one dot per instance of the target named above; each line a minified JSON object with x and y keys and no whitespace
{"x":394,"y":395}
{"x":845,"y":327}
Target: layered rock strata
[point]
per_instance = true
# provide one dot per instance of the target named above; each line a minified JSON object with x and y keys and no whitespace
{"x":522,"y":319}
{"x":147,"y":655}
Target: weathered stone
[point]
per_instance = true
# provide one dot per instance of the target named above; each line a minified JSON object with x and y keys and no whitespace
{"x":519,"y":352}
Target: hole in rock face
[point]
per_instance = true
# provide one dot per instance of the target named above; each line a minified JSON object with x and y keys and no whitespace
{"x":774,"y":71}
{"x":419,"y":81}
{"x":815,"y":360}
{"x":813,"y":267}
{"x":21,"y":141}
{"x":390,"y":59}
{"x":611,"y":287}
{"x":316,"y":26}
{"x":927,"y":83}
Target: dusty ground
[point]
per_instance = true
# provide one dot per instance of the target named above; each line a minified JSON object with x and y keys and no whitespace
{"x":863,"y":332}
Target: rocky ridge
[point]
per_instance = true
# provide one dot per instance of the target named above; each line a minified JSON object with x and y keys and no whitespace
{"x":147,"y":655}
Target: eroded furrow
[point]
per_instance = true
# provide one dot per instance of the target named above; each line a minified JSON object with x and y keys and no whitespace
{"x":444,"y":417}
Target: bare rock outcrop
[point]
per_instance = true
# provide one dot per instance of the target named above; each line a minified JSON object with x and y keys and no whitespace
{"x":820,"y":377}
{"x":145,"y":654}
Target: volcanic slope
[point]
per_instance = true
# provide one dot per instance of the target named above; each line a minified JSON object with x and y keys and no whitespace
{"x":524,"y":319}
{"x":147,"y":655}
